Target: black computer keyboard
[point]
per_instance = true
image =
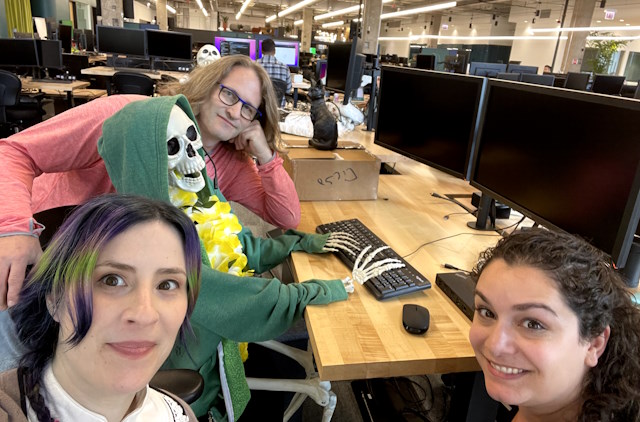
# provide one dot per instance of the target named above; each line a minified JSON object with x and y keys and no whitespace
{"x":392,"y":283}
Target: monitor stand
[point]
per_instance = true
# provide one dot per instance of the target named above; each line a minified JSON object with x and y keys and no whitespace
{"x":486,"y":210}
{"x":631,"y":271}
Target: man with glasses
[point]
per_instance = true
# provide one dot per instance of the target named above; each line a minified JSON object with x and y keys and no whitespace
{"x":278,"y":71}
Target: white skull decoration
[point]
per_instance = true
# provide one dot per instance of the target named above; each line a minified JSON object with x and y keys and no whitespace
{"x":183,"y":142}
{"x":207,"y":55}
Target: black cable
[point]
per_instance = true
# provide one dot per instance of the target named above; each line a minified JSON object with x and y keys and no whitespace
{"x":454,"y":201}
{"x":215,"y":170}
{"x":516,"y":224}
{"x":447,"y":237}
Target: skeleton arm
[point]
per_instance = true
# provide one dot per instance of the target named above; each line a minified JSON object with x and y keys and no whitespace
{"x":363,"y":269}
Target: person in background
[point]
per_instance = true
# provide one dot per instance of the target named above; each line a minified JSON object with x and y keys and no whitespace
{"x":555,"y":331}
{"x":547,"y":69}
{"x":275,"y":68}
{"x":100,"y":313}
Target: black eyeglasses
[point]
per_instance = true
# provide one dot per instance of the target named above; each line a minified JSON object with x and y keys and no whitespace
{"x":229,"y":97}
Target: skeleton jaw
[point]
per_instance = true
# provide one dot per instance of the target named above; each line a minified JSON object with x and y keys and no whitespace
{"x":193,"y":182}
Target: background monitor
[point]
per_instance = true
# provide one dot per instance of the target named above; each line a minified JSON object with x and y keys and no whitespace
{"x":64,"y":35}
{"x":426,"y":61}
{"x":169,"y":45}
{"x":288,"y":52}
{"x":338,"y":65}
{"x":490,"y":70}
{"x":429,"y":116}
{"x":245,"y":46}
{"x":518,"y":68}
{"x":583,"y":179}
{"x":50,"y":53}
{"x":125,"y":41}
{"x":89,"y":43}
{"x":20,"y":52}
{"x":321,"y":70}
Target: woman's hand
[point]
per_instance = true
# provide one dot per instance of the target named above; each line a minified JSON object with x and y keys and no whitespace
{"x":253,"y":141}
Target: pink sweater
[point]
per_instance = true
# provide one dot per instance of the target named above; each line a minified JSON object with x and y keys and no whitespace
{"x":56,"y":163}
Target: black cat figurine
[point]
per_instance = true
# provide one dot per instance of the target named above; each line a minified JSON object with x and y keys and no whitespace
{"x":325,"y":127}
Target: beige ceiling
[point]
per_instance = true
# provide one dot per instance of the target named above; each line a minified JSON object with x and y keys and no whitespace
{"x":629,"y":10}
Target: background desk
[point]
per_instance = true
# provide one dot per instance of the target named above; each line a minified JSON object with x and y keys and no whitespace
{"x":109,"y":71}
{"x":66,"y":88}
{"x":296,"y":86}
{"x":363,"y":338}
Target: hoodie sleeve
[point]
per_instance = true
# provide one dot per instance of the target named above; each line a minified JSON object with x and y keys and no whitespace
{"x":257,"y":309}
{"x":266,"y":253}
{"x":55,"y":152}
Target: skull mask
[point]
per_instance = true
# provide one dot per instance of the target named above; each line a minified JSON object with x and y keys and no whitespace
{"x":183,"y":141}
{"x":207,"y":55}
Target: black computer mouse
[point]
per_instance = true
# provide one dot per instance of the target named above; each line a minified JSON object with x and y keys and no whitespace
{"x":415,"y":318}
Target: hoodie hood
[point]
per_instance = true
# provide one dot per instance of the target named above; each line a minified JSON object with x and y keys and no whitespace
{"x":134,"y":146}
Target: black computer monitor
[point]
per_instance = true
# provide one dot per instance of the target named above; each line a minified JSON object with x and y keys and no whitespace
{"x":125,"y":41}
{"x":169,"y":45}
{"x":426,"y":61}
{"x":607,"y":84}
{"x":429,"y":116}
{"x":50,"y":53}
{"x":199,"y":37}
{"x":490,"y":70}
{"x":338,"y":66}
{"x":518,"y":68}
{"x":64,"y":35}
{"x":19,"y":52}
{"x":288,"y":52}
{"x":580,"y":178}
{"x":85,"y":39}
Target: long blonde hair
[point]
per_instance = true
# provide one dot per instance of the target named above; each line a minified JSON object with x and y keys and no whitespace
{"x":202,"y":80}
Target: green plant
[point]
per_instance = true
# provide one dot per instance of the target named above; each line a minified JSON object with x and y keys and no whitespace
{"x":605,"y":51}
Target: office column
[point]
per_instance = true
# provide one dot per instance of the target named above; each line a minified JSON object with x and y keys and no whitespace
{"x":574,"y":51}
{"x":161,"y":14}
{"x":370,"y":27}
{"x":307,"y":28}
{"x":434,"y":29}
{"x":111,"y":12}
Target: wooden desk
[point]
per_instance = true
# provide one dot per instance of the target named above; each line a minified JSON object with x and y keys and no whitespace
{"x":363,"y":338}
{"x":110,"y":71}
{"x":66,"y":88}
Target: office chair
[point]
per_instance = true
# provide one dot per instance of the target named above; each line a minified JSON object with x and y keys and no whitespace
{"x":577,"y":80}
{"x":16,"y":111}
{"x":187,"y":384}
{"x":608,"y":84}
{"x":280,"y":88}
{"x":509,"y":76}
{"x":132,"y":83}
{"x":537,"y":79}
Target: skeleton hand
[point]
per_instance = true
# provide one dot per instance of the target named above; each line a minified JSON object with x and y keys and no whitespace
{"x":360,"y":271}
{"x":342,"y":242}
{"x":347,"y":282}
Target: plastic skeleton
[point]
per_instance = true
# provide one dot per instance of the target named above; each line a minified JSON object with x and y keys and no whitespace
{"x":345,"y":242}
{"x":207,"y":55}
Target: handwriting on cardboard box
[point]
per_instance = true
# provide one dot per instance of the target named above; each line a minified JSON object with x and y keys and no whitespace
{"x":346,"y":175}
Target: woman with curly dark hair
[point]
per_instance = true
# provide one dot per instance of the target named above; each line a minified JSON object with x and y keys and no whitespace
{"x":555,"y":330}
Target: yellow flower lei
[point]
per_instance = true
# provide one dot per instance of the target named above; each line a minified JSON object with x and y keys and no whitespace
{"x":217,"y":228}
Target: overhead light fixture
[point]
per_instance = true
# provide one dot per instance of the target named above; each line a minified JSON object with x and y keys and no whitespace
{"x":171,"y":9}
{"x":244,"y":6}
{"x":471,"y":38}
{"x":204,"y":11}
{"x":295,"y":7}
{"x":298,"y":22}
{"x":271,"y":18}
{"x":611,"y":38}
{"x":332,"y":24}
{"x":587,"y":29}
{"x":345,"y":11}
{"x":430,"y":8}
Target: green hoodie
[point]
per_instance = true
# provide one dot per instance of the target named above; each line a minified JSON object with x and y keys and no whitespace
{"x":229,"y":308}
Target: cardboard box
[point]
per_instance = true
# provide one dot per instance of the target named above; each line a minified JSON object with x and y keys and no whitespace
{"x":349,"y":173}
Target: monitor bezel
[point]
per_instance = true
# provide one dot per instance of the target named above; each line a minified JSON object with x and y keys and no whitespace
{"x":25,"y":41}
{"x":118,"y":53}
{"x":170,"y":33}
{"x":625,"y":235}
{"x":481,"y":81}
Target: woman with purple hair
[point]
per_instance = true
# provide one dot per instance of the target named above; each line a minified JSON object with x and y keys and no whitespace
{"x":100,"y":313}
